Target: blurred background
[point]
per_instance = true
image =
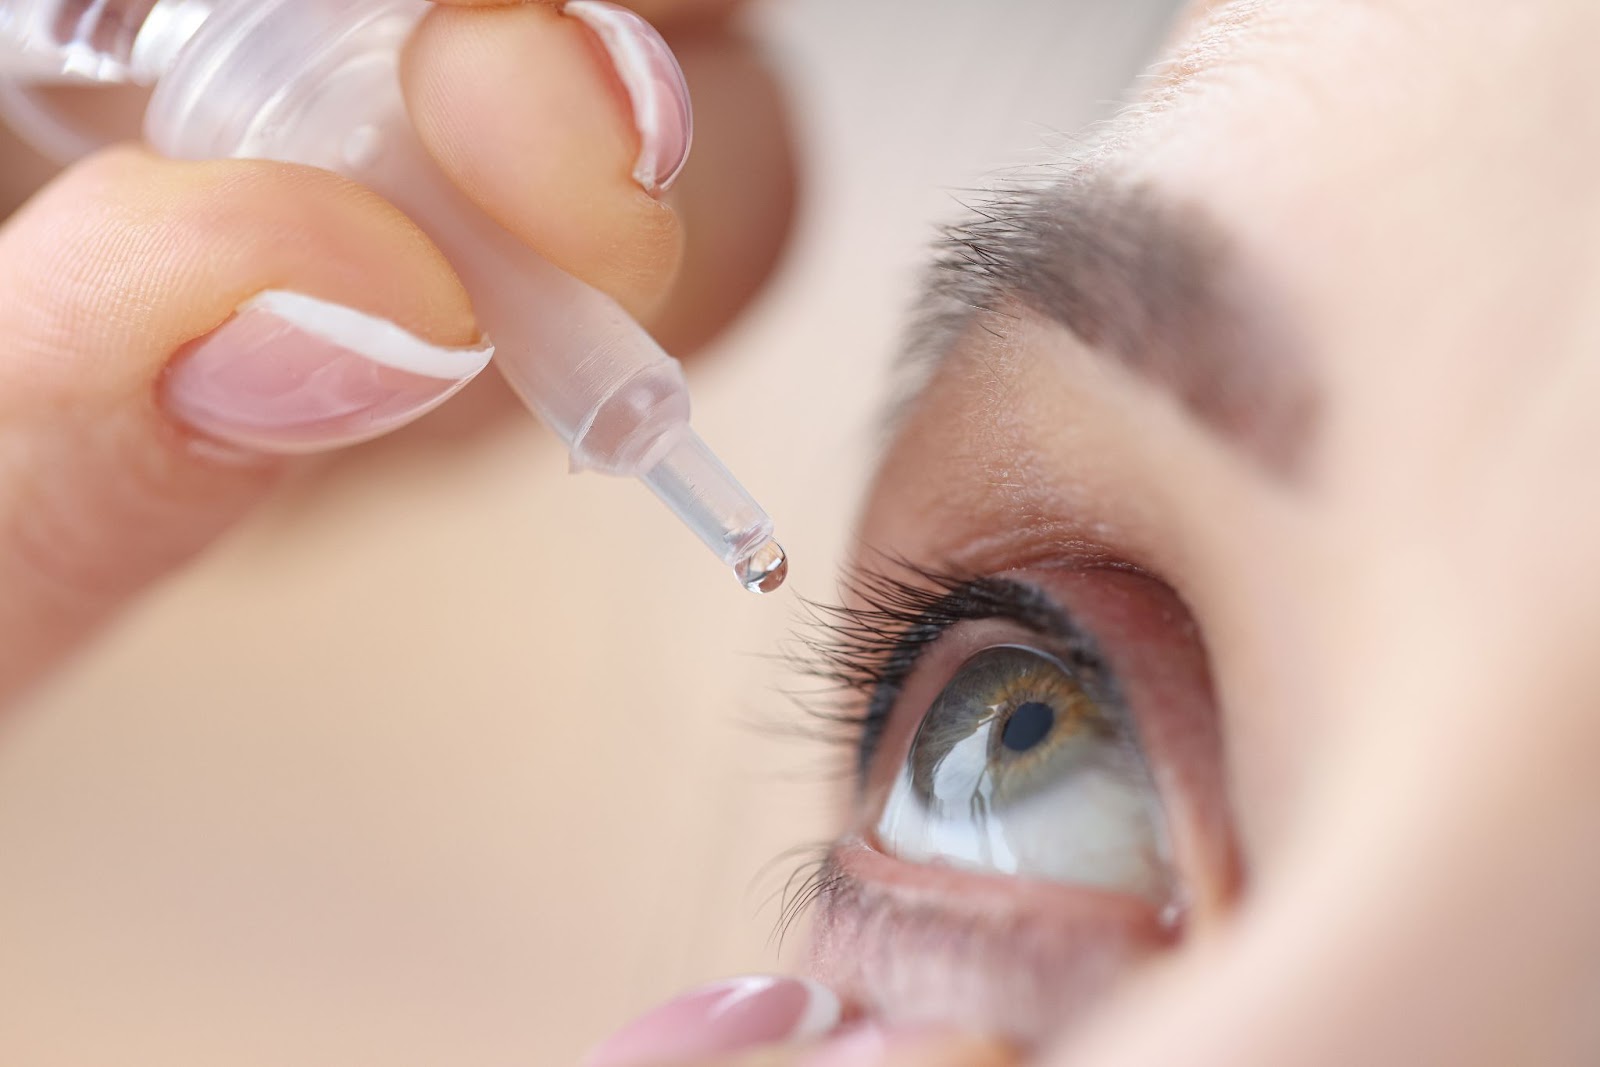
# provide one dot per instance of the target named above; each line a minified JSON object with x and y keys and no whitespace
{"x":449,"y":758}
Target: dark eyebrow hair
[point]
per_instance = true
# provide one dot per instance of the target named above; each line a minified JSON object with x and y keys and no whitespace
{"x":1146,"y":281}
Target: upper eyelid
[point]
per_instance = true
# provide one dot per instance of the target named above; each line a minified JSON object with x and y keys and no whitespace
{"x":871,"y":648}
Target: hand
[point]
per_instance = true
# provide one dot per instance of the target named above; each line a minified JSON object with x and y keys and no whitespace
{"x":870,"y":1049}
{"x":142,"y":411}
{"x":770,"y":1021}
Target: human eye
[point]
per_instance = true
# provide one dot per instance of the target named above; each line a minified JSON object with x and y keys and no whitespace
{"x":1026,"y":763}
{"x":1038,"y":783}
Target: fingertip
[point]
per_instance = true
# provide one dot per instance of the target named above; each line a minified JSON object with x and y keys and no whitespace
{"x":138,"y":445}
{"x":526,"y":111}
{"x":133,"y":256}
{"x":290,"y":374}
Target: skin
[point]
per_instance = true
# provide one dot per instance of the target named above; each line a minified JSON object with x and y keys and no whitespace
{"x":1399,"y":634}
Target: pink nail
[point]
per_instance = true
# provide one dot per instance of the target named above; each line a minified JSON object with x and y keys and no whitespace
{"x":291,"y":373}
{"x":655,"y":86}
{"x":727,"y":1017}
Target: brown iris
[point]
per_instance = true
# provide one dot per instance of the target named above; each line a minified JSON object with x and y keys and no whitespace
{"x":1009,"y":721}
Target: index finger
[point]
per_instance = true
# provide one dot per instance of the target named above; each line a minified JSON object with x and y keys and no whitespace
{"x":870,"y":1047}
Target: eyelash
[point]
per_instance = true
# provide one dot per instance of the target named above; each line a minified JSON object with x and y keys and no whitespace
{"x":865,"y":651}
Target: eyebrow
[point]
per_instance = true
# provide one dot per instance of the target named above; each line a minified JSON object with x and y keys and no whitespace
{"x":1147,"y":282}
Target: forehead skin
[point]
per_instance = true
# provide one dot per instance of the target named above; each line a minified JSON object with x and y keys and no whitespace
{"x":1421,"y":180}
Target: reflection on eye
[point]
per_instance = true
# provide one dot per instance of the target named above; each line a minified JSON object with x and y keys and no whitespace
{"x":1020,"y":768}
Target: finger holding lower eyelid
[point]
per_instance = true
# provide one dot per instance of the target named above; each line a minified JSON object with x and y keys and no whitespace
{"x":871,"y":1047}
{"x":774,"y":1021}
{"x":723,"y":1019}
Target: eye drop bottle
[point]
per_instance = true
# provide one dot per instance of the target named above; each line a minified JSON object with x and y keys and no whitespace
{"x":316,"y":82}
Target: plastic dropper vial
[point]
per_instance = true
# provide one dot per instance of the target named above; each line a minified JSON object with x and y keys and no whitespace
{"x":317,"y":82}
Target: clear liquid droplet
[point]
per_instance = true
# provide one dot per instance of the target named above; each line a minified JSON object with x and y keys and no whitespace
{"x":763,"y":570}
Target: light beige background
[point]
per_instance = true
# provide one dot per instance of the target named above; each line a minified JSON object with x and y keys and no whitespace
{"x":449,"y":758}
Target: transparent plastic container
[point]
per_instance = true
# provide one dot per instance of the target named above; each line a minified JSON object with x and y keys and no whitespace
{"x":317,"y":82}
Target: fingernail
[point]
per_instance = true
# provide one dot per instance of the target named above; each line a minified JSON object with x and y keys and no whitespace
{"x":290,"y":373}
{"x":721,"y":1019}
{"x":656,"y":89}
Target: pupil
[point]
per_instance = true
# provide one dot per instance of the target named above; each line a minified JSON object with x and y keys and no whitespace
{"x":1028,"y":725}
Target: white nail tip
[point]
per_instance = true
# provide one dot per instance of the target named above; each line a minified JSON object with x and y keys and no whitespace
{"x":376,"y":339}
{"x":646,"y":66}
{"x":822,"y":1015}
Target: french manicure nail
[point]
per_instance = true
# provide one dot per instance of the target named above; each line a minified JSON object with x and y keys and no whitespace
{"x":290,"y":373}
{"x":656,"y":89}
{"x":721,"y":1019}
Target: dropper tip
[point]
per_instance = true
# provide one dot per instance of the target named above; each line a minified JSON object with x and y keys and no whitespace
{"x":763,"y":570}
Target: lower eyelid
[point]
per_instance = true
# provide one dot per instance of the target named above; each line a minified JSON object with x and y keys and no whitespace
{"x":913,"y":944}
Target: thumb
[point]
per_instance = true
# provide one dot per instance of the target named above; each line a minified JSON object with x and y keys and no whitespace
{"x":168,"y":332}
